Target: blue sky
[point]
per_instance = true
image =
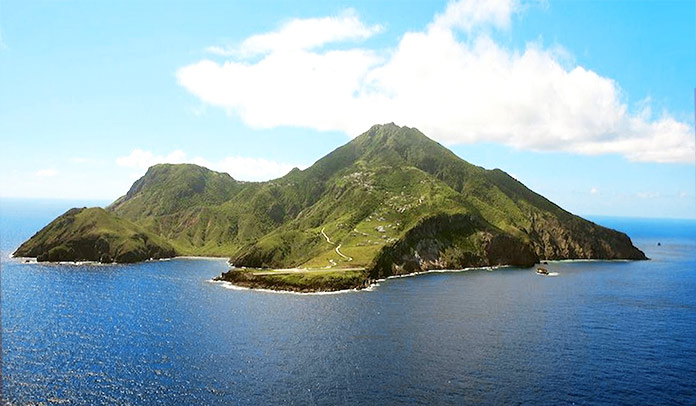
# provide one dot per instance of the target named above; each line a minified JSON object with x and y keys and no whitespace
{"x":588,"y":103}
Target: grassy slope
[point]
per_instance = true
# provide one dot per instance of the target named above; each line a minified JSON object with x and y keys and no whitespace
{"x":96,"y":235}
{"x":183,"y":204}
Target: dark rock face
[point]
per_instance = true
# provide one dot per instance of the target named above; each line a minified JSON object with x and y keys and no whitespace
{"x":503,"y":249}
{"x":451,"y":242}
{"x":456,"y":242}
{"x":579,"y":239}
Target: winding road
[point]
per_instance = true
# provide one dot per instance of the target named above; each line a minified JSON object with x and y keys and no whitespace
{"x":325,"y":236}
{"x":346,"y":257}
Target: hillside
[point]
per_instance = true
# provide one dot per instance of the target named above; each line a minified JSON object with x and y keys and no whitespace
{"x":391,"y":201}
{"x":398,"y":202}
{"x":94,"y":235}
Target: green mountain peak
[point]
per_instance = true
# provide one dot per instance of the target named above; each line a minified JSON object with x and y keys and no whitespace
{"x":167,"y":188}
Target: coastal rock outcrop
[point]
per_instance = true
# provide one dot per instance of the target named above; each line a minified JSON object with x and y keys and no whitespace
{"x":93,"y":234}
{"x":451,"y":242}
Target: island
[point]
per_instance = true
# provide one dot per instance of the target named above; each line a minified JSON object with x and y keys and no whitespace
{"x":390,"y":202}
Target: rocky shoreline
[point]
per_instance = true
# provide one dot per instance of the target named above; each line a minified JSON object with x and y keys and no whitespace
{"x":303,"y":282}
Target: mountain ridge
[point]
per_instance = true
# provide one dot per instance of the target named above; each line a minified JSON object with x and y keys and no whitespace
{"x":393,"y":199}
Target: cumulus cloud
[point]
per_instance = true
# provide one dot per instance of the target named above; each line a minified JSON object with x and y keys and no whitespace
{"x":240,"y":168}
{"x":451,"y":80}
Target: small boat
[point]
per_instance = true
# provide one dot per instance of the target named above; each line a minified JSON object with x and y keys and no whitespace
{"x":542,"y":271}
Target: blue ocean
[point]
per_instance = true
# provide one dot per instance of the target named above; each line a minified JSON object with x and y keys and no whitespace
{"x":160,"y":333}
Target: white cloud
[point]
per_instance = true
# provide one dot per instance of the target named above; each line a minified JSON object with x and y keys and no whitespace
{"x":46,"y":173}
{"x":468,"y":14}
{"x":216,"y":50}
{"x":594,"y":191}
{"x":240,"y":168}
{"x":303,"y":34}
{"x":454,"y":90}
{"x":252,"y":169}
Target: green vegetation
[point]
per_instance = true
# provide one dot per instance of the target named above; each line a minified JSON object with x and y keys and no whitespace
{"x":94,"y":235}
{"x":309,"y":280}
{"x":390,"y":201}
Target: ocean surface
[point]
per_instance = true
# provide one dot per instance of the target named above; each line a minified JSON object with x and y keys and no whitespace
{"x":160,"y":333}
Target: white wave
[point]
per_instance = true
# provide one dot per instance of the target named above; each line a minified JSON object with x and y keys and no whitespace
{"x":483,"y":268}
{"x":372,"y":287}
{"x":559,"y":261}
{"x":32,"y":260}
{"x":24,"y":260}
{"x":209,"y":258}
{"x":232,"y":286}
